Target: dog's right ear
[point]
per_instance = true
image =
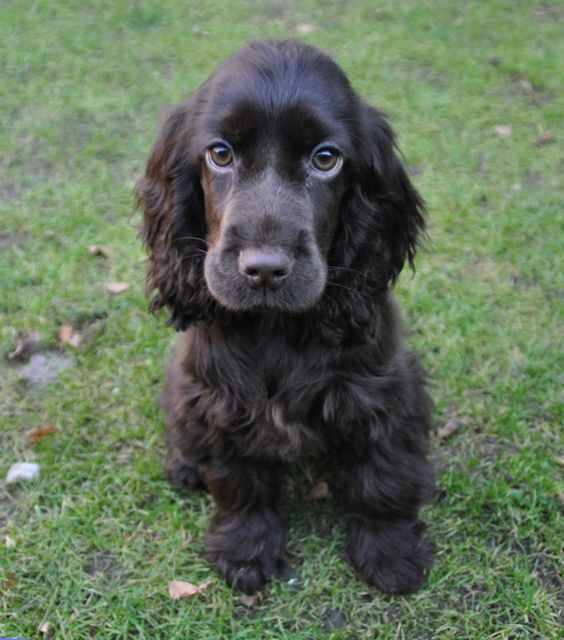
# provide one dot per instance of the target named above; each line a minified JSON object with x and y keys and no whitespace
{"x":174,"y":228}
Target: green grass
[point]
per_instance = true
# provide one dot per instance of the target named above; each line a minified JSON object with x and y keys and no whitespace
{"x":100,"y":534}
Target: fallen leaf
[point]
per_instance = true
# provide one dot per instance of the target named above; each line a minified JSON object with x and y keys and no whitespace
{"x":319,"y":492}
{"x":33,"y":436}
{"x":9,"y":542}
{"x":25,"y":346}
{"x":502,"y":130}
{"x":69,"y":336}
{"x":178,"y":589}
{"x":545,"y":137}
{"x":451,"y":426}
{"x":248,"y":601}
{"x":98,"y":250}
{"x":44,"y":628}
{"x":22,"y":471}
{"x":525,"y":86}
{"x":116,"y":288}
{"x":8,"y":584}
{"x":305,"y":28}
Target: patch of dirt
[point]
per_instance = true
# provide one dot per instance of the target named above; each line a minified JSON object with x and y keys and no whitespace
{"x":332,"y":620}
{"x":430,"y":77}
{"x":43,"y":368}
{"x":456,"y":452}
{"x":532,"y":178}
{"x":30,"y":168}
{"x":545,"y":570}
{"x":103,"y":565}
{"x":279,"y":9}
{"x":521,"y":87}
{"x":7,"y":240}
{"x":548,"y":11}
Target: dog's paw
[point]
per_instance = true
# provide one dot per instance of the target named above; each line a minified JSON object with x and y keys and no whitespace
{"x":249,"y":577}
{"x":182,"y":475}
{"x":247,"y":548}
{"x":393,"y":557}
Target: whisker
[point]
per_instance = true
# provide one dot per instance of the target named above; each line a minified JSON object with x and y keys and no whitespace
{"x":335,"y":284}
{"x":192,"y":238}
{"x":192,"y":252}
{"x":332,"y":268}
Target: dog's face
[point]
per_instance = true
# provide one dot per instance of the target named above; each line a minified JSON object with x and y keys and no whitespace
{"x":272,"y":184}
{"x":273,"y":171}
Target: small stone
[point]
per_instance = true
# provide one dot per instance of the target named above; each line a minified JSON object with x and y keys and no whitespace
{"x":9,"y":542}
{"x":117,"y":288}
{"x":22,"y":472}
{"x":98,"y":250}
{"x":502,"y":130}
{"x":305,"y":28}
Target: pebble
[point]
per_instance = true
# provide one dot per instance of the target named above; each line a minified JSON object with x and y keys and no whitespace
{"x":21,"y":472}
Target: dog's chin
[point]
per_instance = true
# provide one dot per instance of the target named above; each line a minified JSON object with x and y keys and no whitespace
{"x":243,"y":299}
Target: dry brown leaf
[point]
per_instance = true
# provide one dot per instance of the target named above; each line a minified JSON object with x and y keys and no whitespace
{"x":116,"y":288}
{"x":545,"y":137}
{"x":8,"y":584}
{"x":69,"y":336}
{"x":33,"y":436}
{"x":98,"y":250}
{"x":248,"y":601}
{"x":26,"y":345}
{"x":502,"y":130}
{"x":451,"y":426}
{"x":178,"y":589}
{"x":305,"y":28}
{"x":319,"y":492}
{"x":44,"y":628}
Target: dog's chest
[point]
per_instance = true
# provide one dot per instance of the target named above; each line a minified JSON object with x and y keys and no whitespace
{"x":268,"y":401}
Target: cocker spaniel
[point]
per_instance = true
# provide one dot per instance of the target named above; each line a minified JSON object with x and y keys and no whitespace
{"x":277,"y":216}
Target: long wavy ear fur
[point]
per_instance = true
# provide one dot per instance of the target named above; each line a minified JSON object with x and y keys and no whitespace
{"x":382,"y":218}
{"x":174,"y":229}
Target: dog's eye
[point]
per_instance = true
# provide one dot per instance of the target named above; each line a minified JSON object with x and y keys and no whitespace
{"x":325,"y":159}
{"x":221,"y":155}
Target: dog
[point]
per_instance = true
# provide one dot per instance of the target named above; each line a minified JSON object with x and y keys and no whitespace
{"x":277,"y":217}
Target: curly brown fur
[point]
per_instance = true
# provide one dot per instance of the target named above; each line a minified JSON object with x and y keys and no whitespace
{"x":278,"y":274}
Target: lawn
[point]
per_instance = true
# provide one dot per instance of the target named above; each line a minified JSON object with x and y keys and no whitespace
{"x":87,"y":549}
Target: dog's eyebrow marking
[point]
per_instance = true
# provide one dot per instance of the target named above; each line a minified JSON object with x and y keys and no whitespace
{"x":237,"y":123}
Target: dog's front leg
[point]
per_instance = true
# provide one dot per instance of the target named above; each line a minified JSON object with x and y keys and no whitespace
{"x":383,"y":492}
{"x":246,"y":538}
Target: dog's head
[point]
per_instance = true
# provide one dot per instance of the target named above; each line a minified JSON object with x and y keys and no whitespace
{"x":275,"y":188}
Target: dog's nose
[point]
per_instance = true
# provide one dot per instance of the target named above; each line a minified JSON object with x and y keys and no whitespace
{"x":267,"y":267}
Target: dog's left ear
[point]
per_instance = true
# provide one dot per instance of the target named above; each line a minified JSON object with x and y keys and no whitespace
{"x":384,"y":216}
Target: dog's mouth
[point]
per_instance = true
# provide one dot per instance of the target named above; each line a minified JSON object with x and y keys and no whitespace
{"x":275,"y":285}
{"x":241,"y":299}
